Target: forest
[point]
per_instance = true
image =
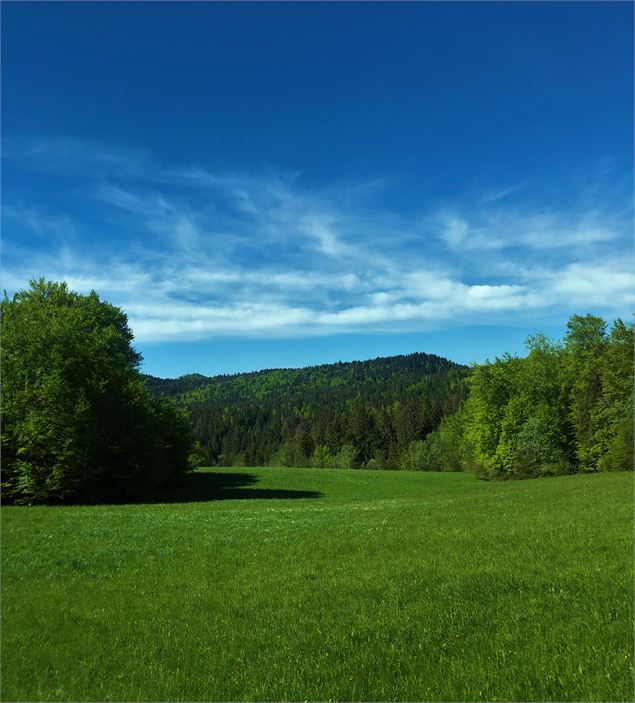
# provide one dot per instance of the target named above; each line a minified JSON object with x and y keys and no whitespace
{"x":565,"y":407}
{"x":346,"y":415}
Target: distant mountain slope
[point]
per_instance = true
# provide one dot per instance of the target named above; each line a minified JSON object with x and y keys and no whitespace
{"x":400,"y":371}
{"x":360,"y":413}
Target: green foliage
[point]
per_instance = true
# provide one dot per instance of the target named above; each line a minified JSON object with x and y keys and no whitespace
{"x":414,"y":458}
{"x":448,"y":449}
{"x":619,"y":451}
{"x":78,"y":422}
{"x":613,"y":414}
{"x":533,"y":449}
{"x":563,"y":408}
{"x":323,"y":458}
{"x":345,"y":458}
{"x":585,"y":345}
{"x":196,"y":457}
{"x":391,"y":586}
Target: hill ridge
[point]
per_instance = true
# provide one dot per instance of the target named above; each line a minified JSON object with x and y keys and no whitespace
{"x":271,"y":382}
{"x":197,"y":375}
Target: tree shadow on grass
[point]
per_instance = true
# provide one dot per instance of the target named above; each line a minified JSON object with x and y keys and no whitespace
{"x":201,"y":487}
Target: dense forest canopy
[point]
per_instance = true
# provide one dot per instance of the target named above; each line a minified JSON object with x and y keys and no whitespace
{"x":79,"y":425}
{"x":361,"y":413}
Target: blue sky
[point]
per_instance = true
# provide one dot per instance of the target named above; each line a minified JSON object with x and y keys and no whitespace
{"x":281,"y":184}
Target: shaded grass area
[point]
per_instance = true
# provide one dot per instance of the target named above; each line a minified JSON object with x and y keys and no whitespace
{"x":373,"y":586}
{"x":205,"y":486}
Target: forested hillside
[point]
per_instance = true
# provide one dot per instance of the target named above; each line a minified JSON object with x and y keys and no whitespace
{"x":363,"y":413}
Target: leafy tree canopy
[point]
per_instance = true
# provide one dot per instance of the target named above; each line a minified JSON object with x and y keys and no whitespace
{"x":566,"y":407}
{"x":78,"y":422}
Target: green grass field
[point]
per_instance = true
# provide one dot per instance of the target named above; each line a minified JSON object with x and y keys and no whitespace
{"x":309,"y":584}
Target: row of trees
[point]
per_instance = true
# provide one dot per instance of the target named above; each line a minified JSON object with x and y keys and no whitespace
{"x":412,"y":458}
{"x":566,"y":407}
{"x":79,"y":425}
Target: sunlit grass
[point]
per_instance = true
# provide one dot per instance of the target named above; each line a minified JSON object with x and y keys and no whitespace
{"x":309,"y":584}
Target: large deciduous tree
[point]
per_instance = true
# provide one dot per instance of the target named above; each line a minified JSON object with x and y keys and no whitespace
{"x":78,"y":422}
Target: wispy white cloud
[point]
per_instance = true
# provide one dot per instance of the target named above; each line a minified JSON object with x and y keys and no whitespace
{"x":495,"y":229}
{"x":38,"y":221}
{"x":199,"y":254}
{"x":67,"y":156}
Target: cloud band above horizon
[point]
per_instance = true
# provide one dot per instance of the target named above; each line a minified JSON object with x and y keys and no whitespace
{"x":191,"y":253}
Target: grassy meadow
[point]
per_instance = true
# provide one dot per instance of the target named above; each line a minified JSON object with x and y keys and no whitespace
{"x":310,"y":584}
